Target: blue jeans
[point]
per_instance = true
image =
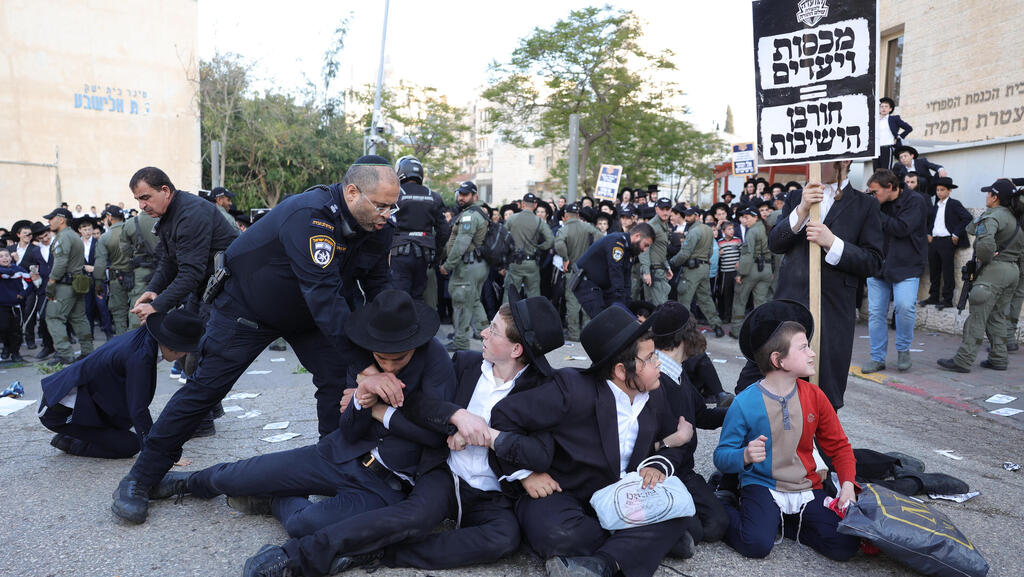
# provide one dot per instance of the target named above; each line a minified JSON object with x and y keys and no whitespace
{"x":904,"y":295}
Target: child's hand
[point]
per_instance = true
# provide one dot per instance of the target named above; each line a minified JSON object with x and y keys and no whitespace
{"x":847,"y":495}
{"x":755,"y":452}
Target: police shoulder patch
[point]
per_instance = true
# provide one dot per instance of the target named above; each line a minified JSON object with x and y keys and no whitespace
{"x":321,"y":249}
{"x":618,"y":253}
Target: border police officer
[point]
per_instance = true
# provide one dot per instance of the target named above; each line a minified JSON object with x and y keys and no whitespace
{"x":138,"y":244}
{"x":113,"y":269}
{"x":754,"y":270}
{"x":531,"y":235}
{"x":467,"y":269}
{"x":573,"y":239}
{"x":67,"y":304}
{"x":654,"y":270}
{"x":694,"y":257}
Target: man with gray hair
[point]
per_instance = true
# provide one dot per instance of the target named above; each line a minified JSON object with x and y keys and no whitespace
{"x":291,"y":275}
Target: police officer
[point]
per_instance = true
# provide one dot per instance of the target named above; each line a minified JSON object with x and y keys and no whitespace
{"x":66,"y":288}
{"x":531,"y":236}
{"x":694,"y":257}
{"x":573,"y":239}
{"x":997,"y":248}
{"x":422,"y":229}
{"x":138,"y":245}
{"x":468,"y":271}
{"x":222,"y":198}
{"x":653,"y":269}
{"x":113,"y":268}
{"x":754,"y":270}
{"x":601,"y":277}
{"x":286,"y":276}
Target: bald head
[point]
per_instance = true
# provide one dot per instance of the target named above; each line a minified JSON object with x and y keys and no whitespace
{"x":371,"y":189}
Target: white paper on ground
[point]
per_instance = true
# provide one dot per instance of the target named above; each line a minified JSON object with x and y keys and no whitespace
{"x":232,"y":409}
{"x":864,"y":337}
{"x":249,"y":415}
{"x":9,"y":405}
{"x":234,"y":396}
{"x":917,"y":350}
{"x":277,"y":360}
{"x":719,"y":361}
{"x":258,"y":373}
{"x":949,"y":453}
{"x":280,"y":437}
{"x":277,"y":425}
{"x":958,"y":498}
{"x":1000,"y":399}
{"x":1006,"y":412}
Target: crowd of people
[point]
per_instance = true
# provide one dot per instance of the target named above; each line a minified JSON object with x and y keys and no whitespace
{"x":358,"y":277}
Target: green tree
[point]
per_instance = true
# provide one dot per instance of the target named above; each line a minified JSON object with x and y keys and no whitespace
{"x":223,"y":81}
{"x":728,"y":120}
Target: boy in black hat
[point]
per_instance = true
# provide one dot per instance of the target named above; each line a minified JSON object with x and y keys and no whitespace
{"x":604,"y":420}
{"x":93,"y":404}
{"x":459,"y":478}
{"x":15,"y":284}
{"x":892,"y":130}
{"x":769,"y":440}
{"x":947,"y":233}
{"x":909,"y":160}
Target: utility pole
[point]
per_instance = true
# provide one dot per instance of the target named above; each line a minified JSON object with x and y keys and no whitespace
{"x":375,"y":133}
{"x":216,"y":179}
{"x":574,"y":154}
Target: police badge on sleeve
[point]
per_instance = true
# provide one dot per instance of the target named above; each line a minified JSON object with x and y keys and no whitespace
{"x":321,"y":248}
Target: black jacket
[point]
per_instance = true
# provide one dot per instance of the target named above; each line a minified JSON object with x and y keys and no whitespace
{"x":925,"y":169}
{"x":957,"y":218}
{"x":905,"y":226}
{"x":191,"y":231}
{"x":686,"y":401}
{"x":898,"y":127}
{"x":607,"y":264}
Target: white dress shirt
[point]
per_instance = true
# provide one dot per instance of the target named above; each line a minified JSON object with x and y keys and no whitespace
{"x":939,"y":228}
{"x":627,"y":414}
{"x":831,"y":190}
{"x":885,"y":136}
{"x":44,"y":249}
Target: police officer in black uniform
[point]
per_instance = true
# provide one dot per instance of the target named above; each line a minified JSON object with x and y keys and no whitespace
{"x":601,"y":277}
{"x":292,"y":274}
{"x":422,"y":229}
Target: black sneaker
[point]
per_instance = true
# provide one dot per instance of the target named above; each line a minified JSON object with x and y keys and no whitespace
{"x":719,"y":333}
{"x":269,"y":561}
{"x":173,"y":483}
{"x":62,"y":442}
{"x":131,"y":501}
{"x":345,"y":563}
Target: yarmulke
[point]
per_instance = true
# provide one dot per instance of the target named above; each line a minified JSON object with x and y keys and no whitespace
{"x":372,"y":160}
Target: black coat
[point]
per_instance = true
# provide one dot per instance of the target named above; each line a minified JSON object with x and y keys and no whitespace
{"x":925,"y":169}
{"x":579,"y":411}
{"x":957,"y":218}
{"x":898,"y":127}
{"x":686,"y":401}
{"x":34,"y":256}
{"x":855,"y":219}
{"x":905,"y":226}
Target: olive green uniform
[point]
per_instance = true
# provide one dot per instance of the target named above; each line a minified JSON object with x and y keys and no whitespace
{"x":752,"y":278}
{"x":696,"y":281}
{"x":1013,"y":312}
{"x":994,"y":286}
{"x":573,"y":239}
{"x":654,"y":261}
{"x":138,"y":245}
{"x":531,"y":236}
{"x":468,"y":273}
{"x":113,"y":268}
{"x":227,"y":215}
{"x":65,"y":305}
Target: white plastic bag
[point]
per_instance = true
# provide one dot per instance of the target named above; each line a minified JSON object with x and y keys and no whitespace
{"x":626,"y":503}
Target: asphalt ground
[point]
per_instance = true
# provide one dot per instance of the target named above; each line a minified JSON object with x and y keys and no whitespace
{"x":56,"y":508}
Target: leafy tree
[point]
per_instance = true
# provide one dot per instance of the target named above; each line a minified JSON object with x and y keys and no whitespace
{"x":223,"y":81}
{"x":728,"y":120}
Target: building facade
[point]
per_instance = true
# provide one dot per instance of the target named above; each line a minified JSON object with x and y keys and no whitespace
{"x":91,"y":92}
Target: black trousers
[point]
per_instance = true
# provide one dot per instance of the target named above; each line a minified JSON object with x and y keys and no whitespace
{"x":711,"y":514}
{"x":884,"y":159}
{"x":940,"y":268}
{"x":409,"y":274}
{"x":227,"y":349}
{"x":488,"y":530}
{"x":100,"y":442}
{"x":559,"y":524}
{"x":725,"y":289}
{"x":10,"y":328}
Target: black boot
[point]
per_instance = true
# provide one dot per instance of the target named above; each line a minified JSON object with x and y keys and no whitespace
{"x":47,"y":351}
{"x":345,"y":563}
{"x":270,"y":561}
{"x":578,"y":567}
{"x":131,"y":500}
{"x":173,"y":483}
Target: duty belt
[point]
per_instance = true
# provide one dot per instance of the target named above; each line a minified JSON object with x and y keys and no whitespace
{"x":659,"y":267}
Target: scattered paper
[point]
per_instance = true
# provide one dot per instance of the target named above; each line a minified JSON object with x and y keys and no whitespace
{"x":258,"y":373}
{"x":575,"y":358}
{"x":917,"y":350}
{"x":958,"y":498}
{"x":277,"y":425}
{"x":949,"y":453}
{"x":1000,"y":399}
{"x":1011,"y":466}
{"x":234,"y":396}
{"x":232,"y":409}
{"x":9,"y":405}
{"x":249,"y":415}
{"x":741,"y":357}
{"x":280,"y":437}
{"x":719,"y":361}
{"x":277,"y":360}
{"x":864,"y":337}
{"x":1006,"y":412}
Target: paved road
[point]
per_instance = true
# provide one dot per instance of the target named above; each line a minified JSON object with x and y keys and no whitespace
{"x":57,"y":519}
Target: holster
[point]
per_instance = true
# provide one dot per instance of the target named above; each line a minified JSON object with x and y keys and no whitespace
{"x":575,"y":276}
{"x":220,"y":275}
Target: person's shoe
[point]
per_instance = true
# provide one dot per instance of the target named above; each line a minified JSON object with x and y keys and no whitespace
{"x":872,"y":366}
{"x":62,"y":442}
{"x":728,"y":498}
{"x":450,"y":335}
{"x":714,"y":479}
{"x":950,"y":365}
{"x":451,"y":348}
{"x":903,"y":363}
{"x":269,"y":561}
{"x":724,"y":399}
{"x":217,"y":412}
{"x":250,"y":504}
{"x":929,"y":301}
{"x":719,"y":333}
{"x":131,"y":500}
{"x":276,"y":347}
{"x":734,"y":334}
{"x":684,"y":548}
{"x":31,"y":346}
{"x":47,"y":351}
{"x":17,"y":358}
{"x":205,"y":429}
{"x":59,"y":361}
{"x":173,"y":483}
{"x":987,"y":364}
{"x":175,"y":372}
{"x":341,"y":564}
{"x":1012,"y":347}
{"x":578,"y":567}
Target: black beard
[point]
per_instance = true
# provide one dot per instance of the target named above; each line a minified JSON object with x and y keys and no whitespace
{"x":634,"y":249}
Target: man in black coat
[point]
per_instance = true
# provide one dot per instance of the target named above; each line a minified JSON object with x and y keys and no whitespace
{"x":947,"y":224}
{"x":910,"y":161}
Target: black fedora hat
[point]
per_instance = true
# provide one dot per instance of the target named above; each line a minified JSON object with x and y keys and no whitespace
{"x":887,"y":100}
{"x":23,"y":223}
{"x":609,"y":333}
{"x":39,"y":228}
{"x":178,"y":330}
{"x":905,"y":148}
{"x":539,"y":326}
{"x":762,"y":322}
{"x":392,"y":323}
{"x":943,"y":181}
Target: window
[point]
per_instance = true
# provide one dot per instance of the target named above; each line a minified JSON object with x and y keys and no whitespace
{"x":893,"y":67}
{"x":531,"y":160}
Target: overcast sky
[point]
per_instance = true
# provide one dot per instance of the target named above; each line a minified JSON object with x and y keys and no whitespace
{"x":448,"y":44}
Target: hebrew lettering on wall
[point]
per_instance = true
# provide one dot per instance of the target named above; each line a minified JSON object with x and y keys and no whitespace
{"x":112,"y":99}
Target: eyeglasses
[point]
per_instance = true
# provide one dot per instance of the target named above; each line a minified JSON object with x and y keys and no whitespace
{"x":652,"y":358}
{"x":385,"y":210}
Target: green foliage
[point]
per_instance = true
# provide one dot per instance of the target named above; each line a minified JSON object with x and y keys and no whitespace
{"x":45,"y":369}
{"x":300,"y":370}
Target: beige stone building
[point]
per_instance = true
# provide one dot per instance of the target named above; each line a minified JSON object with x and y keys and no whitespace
{"x":90,"y":92}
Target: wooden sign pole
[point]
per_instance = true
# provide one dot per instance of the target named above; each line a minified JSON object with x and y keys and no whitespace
{"x":814,"y":278}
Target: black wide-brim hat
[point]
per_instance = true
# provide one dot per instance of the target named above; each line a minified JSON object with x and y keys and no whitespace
{"x":942,"y":181}
{"x":392,"y":323}
{"x":901,"y":149}
{"x":39,"y":228}
{"x":539,"y":326}
{"x":762,"y":322}
{"x":609,"y":333}
{"x":21,"y":224}
{"x":178,"y":330}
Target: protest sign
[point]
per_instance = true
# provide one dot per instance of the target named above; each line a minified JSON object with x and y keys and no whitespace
{"x":744,"y":159}
{"x":608,"y":182}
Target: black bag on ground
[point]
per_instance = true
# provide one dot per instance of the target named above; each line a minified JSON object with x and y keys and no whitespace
{"x":913,"y":533}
